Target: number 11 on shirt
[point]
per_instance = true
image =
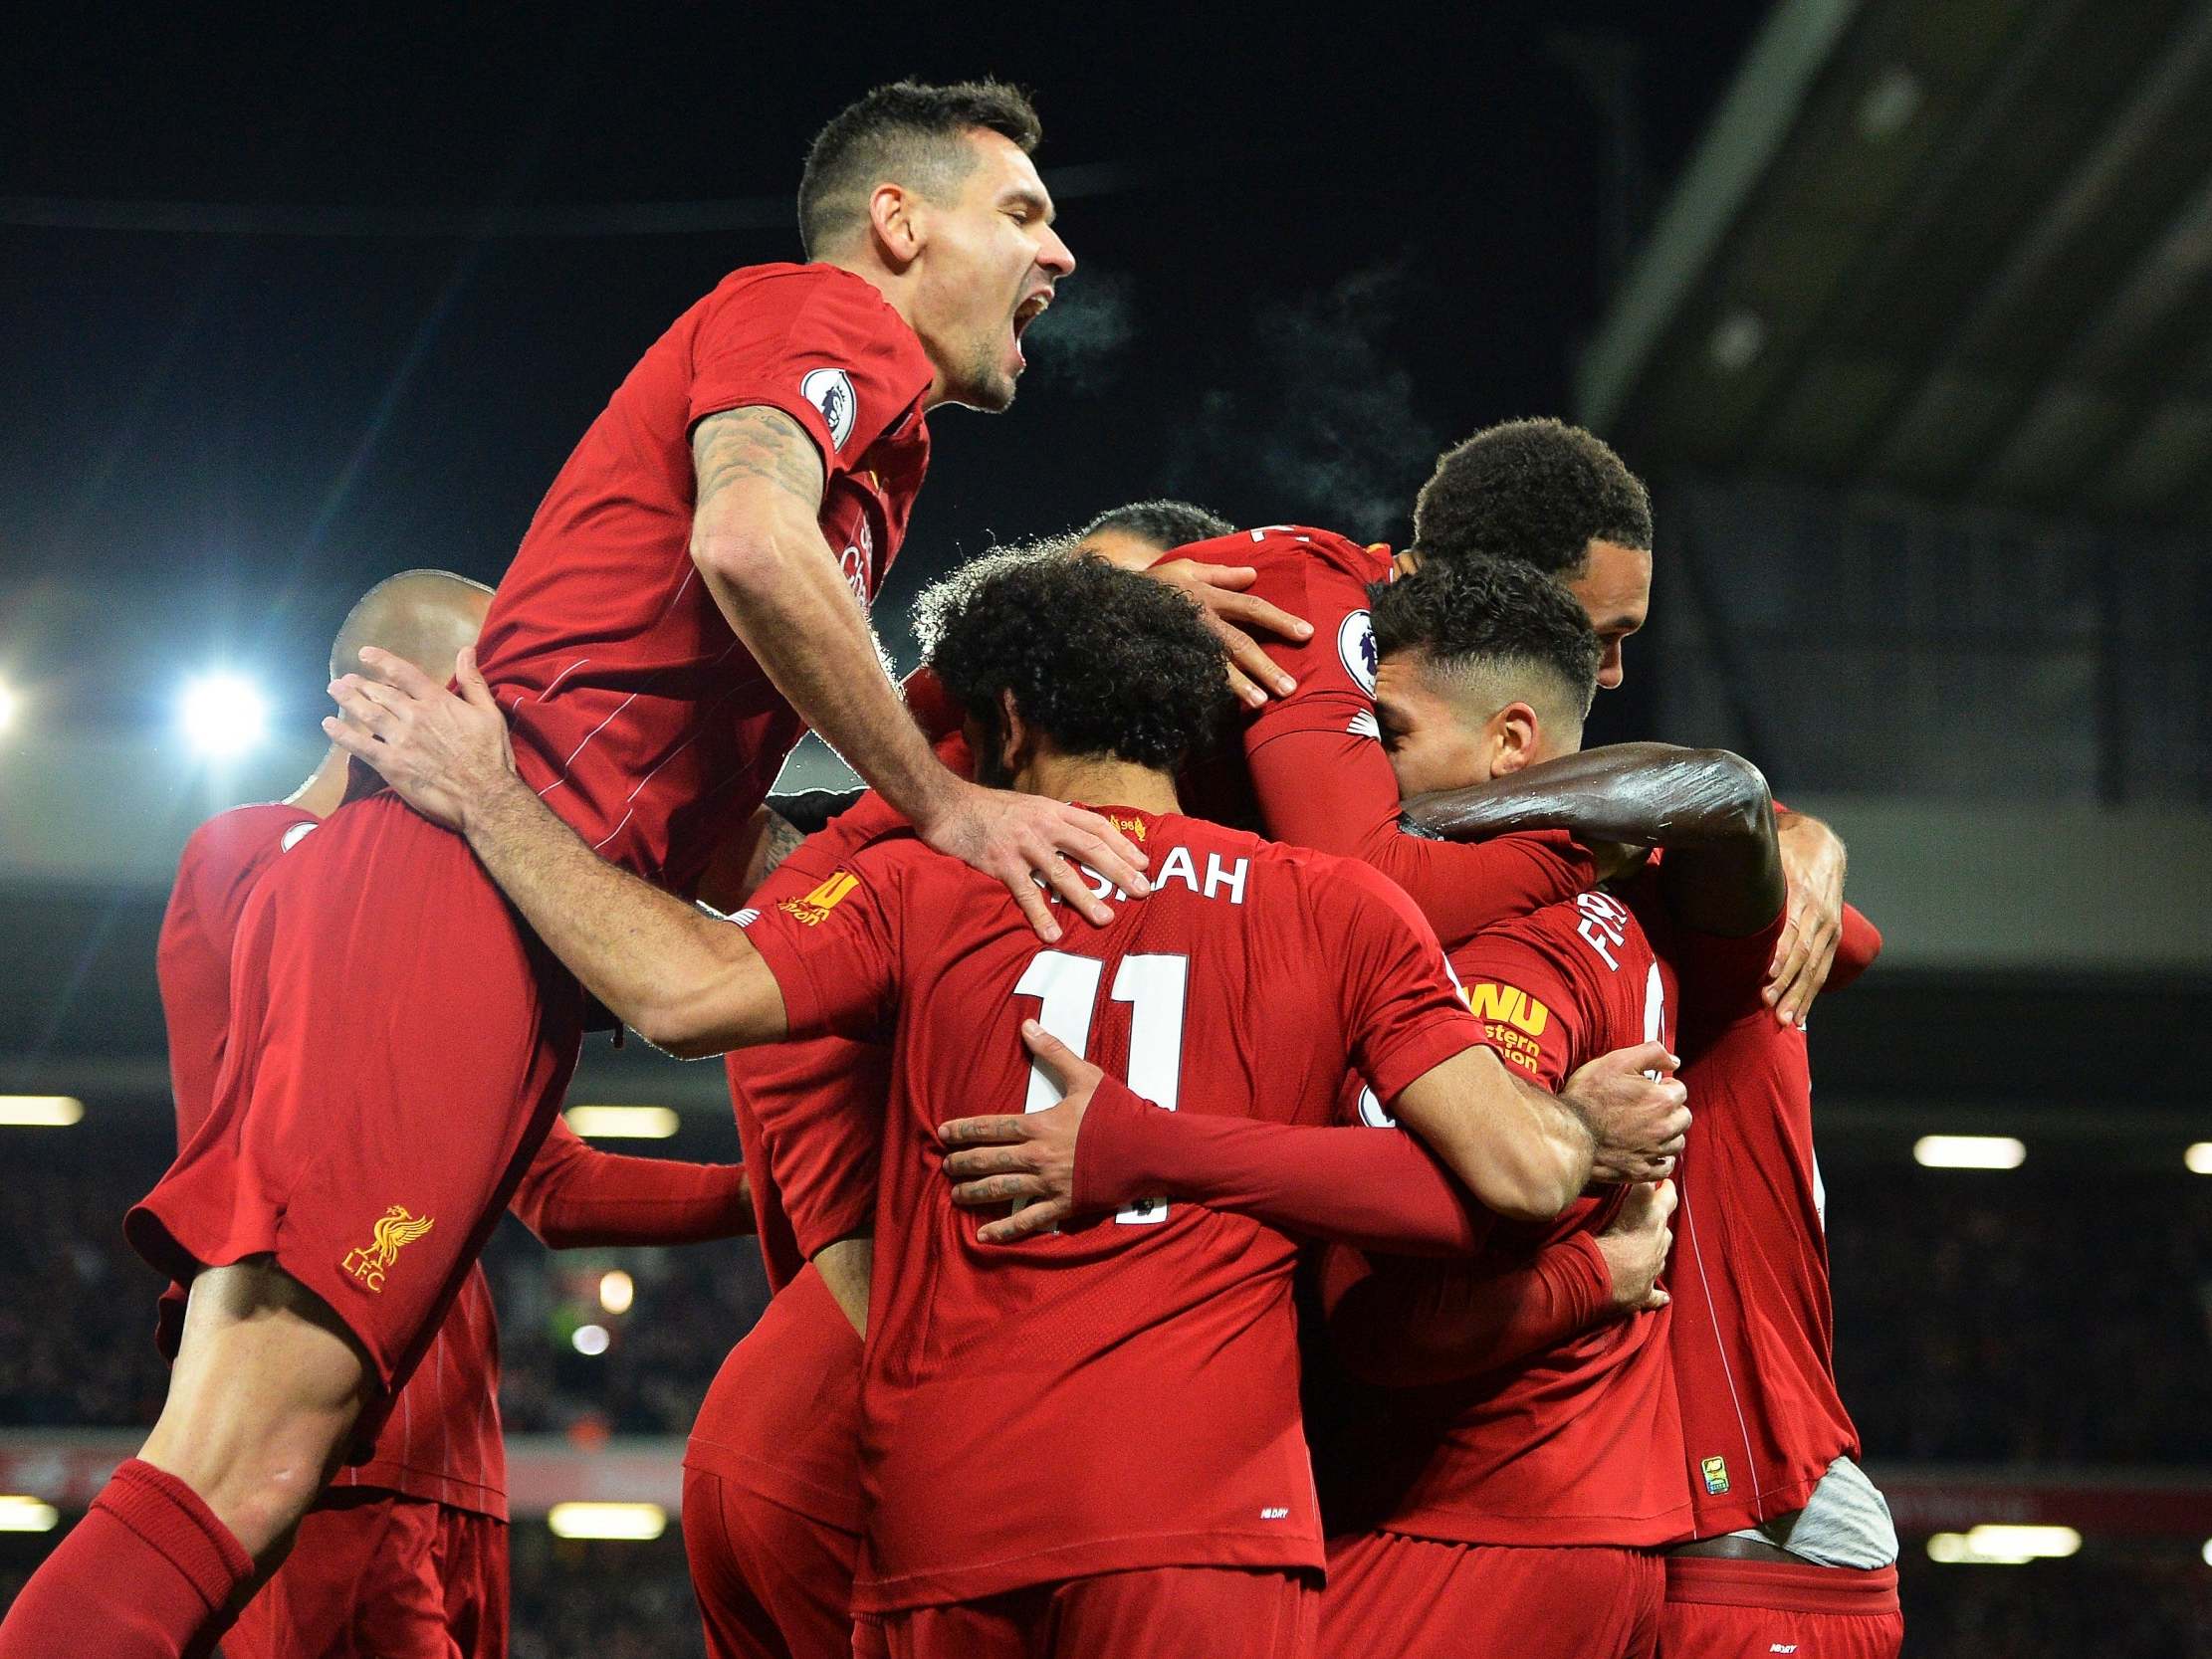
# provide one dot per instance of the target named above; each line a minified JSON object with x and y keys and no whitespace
{"x":1067,"y":988}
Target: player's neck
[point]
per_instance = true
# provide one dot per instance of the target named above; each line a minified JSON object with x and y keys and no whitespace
{"x":893,"y":286}
{"x":1098,"y":782}
{"x":325,"y":790}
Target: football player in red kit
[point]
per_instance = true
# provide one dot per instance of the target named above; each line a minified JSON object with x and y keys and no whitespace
{"x":1555,"y":497}
{"x":406,"y":1555}
{"x":682,"y":603}
{"x":1794,"y":1546}
{"x":1189,"y":1527}
{"x":771,"y":1471}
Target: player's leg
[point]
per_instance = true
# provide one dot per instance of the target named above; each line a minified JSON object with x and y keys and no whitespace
{"x":1186,"y":1613}
{"x":1717,"y":1608}
{"x":398,"y":1049}
{"x":266,"y":1386}
{"x":772,"y":1582}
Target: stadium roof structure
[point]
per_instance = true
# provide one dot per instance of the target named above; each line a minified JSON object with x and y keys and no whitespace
{"x":1959,"y":248}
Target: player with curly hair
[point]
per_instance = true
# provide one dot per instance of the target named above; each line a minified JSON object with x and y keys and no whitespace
{"x":1149,"y":1360}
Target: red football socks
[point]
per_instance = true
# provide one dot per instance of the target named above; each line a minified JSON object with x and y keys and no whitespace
{"x":144,"y":1575}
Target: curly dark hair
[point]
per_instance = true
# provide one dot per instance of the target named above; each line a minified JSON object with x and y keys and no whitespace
{"x":1491,"y":613}
{"x":1536,"y":491}
{"x":1100,"y":660}
{"x":1164,"y":524}
{"x":907,"y":132}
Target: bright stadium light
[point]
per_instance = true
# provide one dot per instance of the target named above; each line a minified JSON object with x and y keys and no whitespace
{"x":622,"y":1122}
{"x":2036,"y":1542}
{"x":1968,"y":1152}
{"x":591,"y":1340}
{"x":27,"y":1515}
{"x":2208,"y":1552}
{"x":223,"y":714}
{"x":40,"y":1111}
{"x":625,"y":1521}
{"x":9,"y":704}
{"x":1953,"y":1550}
{"x":2199,"y":1159}
{"x":617,"y":1290}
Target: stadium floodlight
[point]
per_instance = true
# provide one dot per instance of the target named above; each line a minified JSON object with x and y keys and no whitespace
{"x":618,"y":1290}
{"x":591,"y":1340}
{"x":40,"y":1111}
{"x":1954,"y":1550}
{"x":9,"y":704}
{"x":2037,"y":1543}
{"x":625,"y":1521}
{"x":622,"y":1122}
{"x":2199,"y":1159}
{"x":223,"y":714}
{"x":2208,"y":1552}
{"x":1968,"y":1152}
{"x":27,"y":1515}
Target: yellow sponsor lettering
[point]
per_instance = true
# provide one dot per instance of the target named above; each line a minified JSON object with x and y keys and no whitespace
{"x":1510,"y":1003}
{"x":824,"y":898}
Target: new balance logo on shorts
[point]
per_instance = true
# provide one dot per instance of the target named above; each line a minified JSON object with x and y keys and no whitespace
{"x":396,"y":1230}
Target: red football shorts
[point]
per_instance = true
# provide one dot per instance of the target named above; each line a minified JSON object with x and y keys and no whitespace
{"x":1718,"y":1608}
{"x":1161,"y":1612}
{"x":399,"y":1045}
{"x":773,"y":1583}
{"x":1418,"y":1599}
{"x":379,"y":1574}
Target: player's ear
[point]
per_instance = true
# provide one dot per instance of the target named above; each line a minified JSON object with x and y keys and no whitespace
{"x":893,"y":220}
{"x":1515,"y":736}
{"x":1017,"y":740}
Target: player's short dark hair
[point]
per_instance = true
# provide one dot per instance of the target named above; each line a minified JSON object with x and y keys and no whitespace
{"x":1491,"y":614}
{"x":1102,"y":660}
{"x":1536,"y":491}
{"x":1164,"y":524}
{"x":906,"y":132}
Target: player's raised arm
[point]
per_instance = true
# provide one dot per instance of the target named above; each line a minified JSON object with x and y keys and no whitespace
{"x":1708,"y":807}
{"x":758,"y":544}
{"x":682,"y":980}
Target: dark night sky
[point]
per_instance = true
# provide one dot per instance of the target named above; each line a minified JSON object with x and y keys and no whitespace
{"x":1328,"y":251}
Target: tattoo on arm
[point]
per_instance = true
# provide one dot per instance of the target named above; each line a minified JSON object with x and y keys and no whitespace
{"x":760,"y":443}
{"x":776,"y":845}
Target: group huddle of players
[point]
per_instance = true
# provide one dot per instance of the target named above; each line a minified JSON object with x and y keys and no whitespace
{"x":1214,"y":1109}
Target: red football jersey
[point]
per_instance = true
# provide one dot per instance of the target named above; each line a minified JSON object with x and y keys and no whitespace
{"x":1147,"y":1359}
{"x":1310,"y":768}
{"x":637,"y":713}
{"x":811,"y":1112}
{"x":1753,"y":1326}
{"x":216,"y":874}
{"x":1576,"y":1446}
{"x":442,"y":1440}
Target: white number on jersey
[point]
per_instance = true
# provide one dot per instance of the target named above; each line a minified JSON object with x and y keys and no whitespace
{"x":1154,"y":987}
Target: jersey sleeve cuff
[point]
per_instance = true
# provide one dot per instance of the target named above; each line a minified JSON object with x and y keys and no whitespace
{"x":1421,"y":1050}
{"x":784,"y":400}
{"x":787,"y":962}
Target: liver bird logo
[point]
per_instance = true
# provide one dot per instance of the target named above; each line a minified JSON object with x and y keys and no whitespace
{"x":393,"y":1232}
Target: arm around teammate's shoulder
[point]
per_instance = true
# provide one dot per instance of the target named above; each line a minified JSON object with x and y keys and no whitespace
{"x":756,"y":541}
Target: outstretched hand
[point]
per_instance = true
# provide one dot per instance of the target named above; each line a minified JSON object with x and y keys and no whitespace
{"x":1635,"y":1245}
{"x":444,"y":754}
{"x":1812,"y":925}
{"x":1637,"y":1109}
{"x":1025,"y":1158}
{"x":1029,"y":841}
{"x":1218,"y":590}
